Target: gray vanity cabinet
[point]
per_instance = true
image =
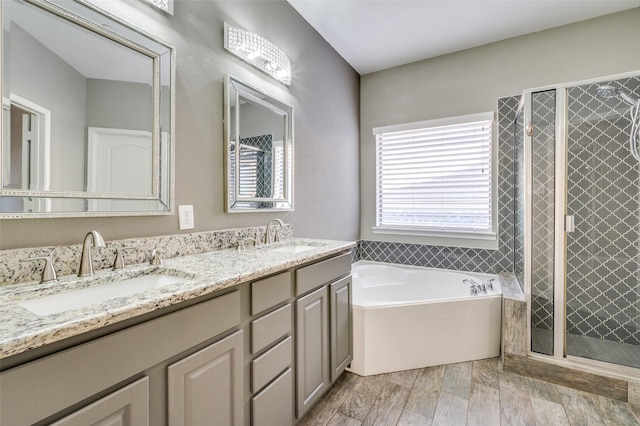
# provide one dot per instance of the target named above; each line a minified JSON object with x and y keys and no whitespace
{"x":260,"y":354}
{"x":205,"y":387}
{"x":323,"y":327}
{"x":123,"y":373}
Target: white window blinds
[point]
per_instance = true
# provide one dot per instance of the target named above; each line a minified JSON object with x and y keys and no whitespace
{"x":435,"y":176}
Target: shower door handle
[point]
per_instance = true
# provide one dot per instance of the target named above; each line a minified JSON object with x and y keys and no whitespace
{"x":569,"y":223}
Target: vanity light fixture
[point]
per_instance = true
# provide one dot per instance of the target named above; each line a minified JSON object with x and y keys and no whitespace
{"x":259,"y":52}
{"x":165,"y":5}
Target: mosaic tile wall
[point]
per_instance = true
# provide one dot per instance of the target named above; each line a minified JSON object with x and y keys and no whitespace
{"x":603,"y":297}
{"x":465,"y":259}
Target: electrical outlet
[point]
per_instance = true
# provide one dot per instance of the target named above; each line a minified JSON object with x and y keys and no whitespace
{"x":185,"y":215}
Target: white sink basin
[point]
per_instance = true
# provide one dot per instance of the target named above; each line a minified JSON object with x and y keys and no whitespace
{"x":75,"y":299}
{"x":294,"y":248}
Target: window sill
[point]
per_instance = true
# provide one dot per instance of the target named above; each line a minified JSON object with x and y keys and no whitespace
{"x":489,"y":236}
{"x":475,"y":240}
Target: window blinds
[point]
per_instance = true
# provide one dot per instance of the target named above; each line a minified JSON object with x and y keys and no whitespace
{"x":435,"y":178}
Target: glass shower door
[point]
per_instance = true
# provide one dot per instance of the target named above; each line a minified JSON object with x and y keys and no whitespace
{"x":602,"y":289}
{"x":543,"y":160}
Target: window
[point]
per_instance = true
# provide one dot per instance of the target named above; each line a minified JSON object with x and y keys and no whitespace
{"x":435,"y":178}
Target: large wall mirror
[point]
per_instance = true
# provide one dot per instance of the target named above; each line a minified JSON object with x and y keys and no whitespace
{"x":258,"y":150}
{"x":87,"y":114}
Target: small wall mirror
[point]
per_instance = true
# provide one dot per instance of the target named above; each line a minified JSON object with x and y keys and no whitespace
{"x":259,"y":150}
{"x":87,"y":119}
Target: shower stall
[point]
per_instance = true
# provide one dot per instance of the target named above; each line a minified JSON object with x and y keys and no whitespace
{"x":577,"y":218}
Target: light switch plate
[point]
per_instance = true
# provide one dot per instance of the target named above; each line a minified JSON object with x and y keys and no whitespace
{"x":185,"y":216}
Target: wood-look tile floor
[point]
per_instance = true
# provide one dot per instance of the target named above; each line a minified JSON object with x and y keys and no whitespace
{"x":468,"y":393}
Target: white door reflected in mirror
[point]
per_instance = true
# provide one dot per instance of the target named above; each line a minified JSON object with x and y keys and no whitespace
{"x":119,"y":161}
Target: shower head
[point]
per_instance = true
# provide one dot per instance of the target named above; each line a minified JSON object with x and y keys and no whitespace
{"x":611,"y":92}
{"x":607,"y":91}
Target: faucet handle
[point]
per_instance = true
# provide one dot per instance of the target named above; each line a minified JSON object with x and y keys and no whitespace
{"x":156,"y":260}
{"x":118,"y":262}
{"x":242,"y":243}
{"x":490,"y":283}
{"x":49,"y":272}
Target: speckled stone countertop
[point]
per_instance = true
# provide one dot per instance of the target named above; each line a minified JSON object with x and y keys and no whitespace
{"x":204,"y":273}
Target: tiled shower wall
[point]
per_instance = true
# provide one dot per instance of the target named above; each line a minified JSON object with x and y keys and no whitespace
{"x":466,"y":259}
{"x":603,"y":297}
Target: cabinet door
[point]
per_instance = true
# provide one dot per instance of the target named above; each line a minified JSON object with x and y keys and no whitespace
{"x":206,"y":388}
{"x":128,"y":406}
{"x":341,"y":326}
{"x":312,"y":358}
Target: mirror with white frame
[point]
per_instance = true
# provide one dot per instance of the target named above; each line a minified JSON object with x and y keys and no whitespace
{"x":87,"y":123}
{"x":258,"y":150}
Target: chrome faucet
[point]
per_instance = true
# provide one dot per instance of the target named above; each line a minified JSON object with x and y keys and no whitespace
{"x":267,"y":231}
{"x":92,"y":239}
{"x":475,"y":286}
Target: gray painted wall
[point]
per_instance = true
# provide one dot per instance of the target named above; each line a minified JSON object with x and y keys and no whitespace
{"x":324,"y":93}
{"x":65,"y":100}
{"x":119,"y":104}
{"x":471,"y":81}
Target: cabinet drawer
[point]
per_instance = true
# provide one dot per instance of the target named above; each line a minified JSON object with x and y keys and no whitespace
{"x":313,"y":276}
{"x":269,"y":328}
{"x":270,"y":364}
{"x":269,"y":292}
{"x":274,"y":405}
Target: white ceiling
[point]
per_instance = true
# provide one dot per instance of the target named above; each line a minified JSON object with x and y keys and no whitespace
{"x":373,"y":35}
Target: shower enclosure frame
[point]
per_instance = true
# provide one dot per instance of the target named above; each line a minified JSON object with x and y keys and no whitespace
{"x":561,"y":224}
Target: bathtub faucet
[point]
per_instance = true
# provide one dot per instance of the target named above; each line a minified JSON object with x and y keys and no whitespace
{"x":475,"y":287}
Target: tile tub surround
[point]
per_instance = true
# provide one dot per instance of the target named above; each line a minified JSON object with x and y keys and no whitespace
{"x":66,"y":259}
{"x":21,"y":330}
{"x":514,"y":316}
{"x":466,"y":259}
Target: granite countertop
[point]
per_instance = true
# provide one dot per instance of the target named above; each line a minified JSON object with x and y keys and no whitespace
{"x":204,"y":273}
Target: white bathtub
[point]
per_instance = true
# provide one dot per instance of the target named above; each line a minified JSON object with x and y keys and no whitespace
{"x":407,"y":317}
